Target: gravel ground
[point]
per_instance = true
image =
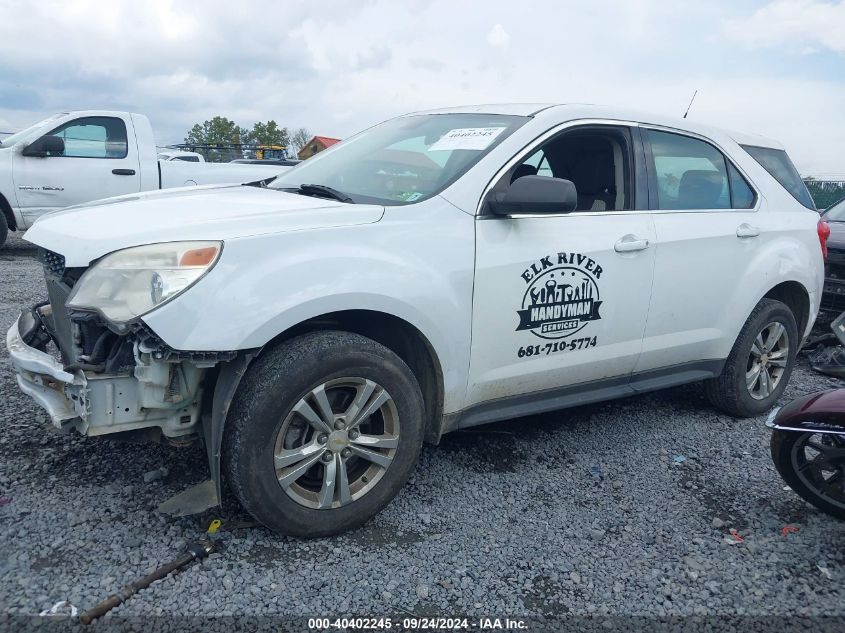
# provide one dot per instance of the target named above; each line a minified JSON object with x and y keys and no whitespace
{"x":586,"y":511}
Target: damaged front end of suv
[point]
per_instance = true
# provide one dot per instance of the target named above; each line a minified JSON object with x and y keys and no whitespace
{"x":89,"y":360}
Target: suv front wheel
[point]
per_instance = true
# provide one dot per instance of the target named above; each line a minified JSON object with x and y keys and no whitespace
{"x":760,"y":363}
{"x":324,"y":431}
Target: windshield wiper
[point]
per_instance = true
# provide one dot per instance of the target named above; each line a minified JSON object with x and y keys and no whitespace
{"x":323,"y":191}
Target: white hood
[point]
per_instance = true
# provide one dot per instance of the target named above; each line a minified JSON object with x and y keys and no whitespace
{"x":87,"y":232}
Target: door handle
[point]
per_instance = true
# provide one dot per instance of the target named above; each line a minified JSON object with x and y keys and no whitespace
{"x":630,"y":243}
{"x":746,"y":230}
{"x":123,"y":172}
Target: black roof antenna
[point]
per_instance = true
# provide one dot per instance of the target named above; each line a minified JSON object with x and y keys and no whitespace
{"x":690,"y":102}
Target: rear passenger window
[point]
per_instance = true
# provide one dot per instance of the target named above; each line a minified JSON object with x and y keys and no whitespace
{"x":693,"y":174}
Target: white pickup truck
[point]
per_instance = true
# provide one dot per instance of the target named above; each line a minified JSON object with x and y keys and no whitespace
{"x":75,"y":157}
{"x":437,"y":271}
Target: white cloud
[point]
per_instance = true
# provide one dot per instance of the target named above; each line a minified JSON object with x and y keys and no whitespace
{"x":498,"y":37}
{"x":337,"y":67}
{"x":798,"y":24}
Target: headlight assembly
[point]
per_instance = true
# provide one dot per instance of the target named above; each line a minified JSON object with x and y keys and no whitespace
{"x":129,"y":283}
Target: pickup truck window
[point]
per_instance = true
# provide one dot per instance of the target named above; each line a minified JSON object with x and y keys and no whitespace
{"x":693,"y":174}
{"x":404,"y":160}
{"x":93,"y":137}
{"x":777,"y":163}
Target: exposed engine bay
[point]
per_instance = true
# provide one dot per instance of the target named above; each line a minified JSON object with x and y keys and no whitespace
{"x":122,"y":380}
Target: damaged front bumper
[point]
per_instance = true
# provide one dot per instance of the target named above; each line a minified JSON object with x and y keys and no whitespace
{"x":62,"y":394}
{"x":150,"y":394}
{"x":125,"y":381}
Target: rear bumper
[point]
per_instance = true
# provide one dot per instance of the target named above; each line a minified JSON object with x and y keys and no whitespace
{"x":62,"y":394}
{"x":833,"y":291}
{"x":833,"y":299}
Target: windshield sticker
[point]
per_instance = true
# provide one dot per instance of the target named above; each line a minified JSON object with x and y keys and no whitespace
{"x":562,"y":296}
{"x":475,"y":138}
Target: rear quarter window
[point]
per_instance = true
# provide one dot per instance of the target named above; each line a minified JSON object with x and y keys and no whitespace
{"x":778,"y":164}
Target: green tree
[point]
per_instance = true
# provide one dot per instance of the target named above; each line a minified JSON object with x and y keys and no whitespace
{"x":266,"y":134}
{"x":299,"y":139}
{"x":217,"y":131}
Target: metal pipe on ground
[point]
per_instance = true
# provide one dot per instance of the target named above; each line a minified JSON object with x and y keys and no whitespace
{"x":195,"y":551}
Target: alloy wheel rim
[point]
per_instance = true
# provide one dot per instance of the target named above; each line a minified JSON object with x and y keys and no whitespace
{"x":336,"y":443}
{"x":819,"y":461}
{"x":767,"y":360}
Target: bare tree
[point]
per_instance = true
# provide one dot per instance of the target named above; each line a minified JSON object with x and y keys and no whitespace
{"x":298,"y":139}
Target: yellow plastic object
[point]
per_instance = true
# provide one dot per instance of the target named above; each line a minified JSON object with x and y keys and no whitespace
{"x":214,"y":526}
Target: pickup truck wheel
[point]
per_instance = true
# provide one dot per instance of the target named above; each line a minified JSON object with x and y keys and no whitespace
{"x":760,"y":363}
{"x":324,"y":431}
{"x":4,"y":229}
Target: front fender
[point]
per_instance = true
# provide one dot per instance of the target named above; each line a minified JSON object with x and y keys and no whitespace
{"x":820,"y":412}
{"x":416,"y":266}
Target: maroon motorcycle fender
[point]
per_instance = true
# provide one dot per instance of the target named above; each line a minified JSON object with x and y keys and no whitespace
{"x":820,"y":412}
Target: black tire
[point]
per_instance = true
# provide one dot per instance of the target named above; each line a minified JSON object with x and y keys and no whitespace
{"x":782,"y":445}
{"x":274,"y":384}
{"x":728,"y":391}
{"x":4,"y":229}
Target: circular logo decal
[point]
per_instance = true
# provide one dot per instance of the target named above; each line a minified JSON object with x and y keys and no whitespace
{"x":560,"y":301}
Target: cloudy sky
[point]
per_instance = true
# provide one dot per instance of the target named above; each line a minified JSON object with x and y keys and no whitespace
{"x":771,"y":67}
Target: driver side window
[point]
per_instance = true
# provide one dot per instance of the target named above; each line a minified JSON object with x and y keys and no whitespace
{"x":596,"y":159}
{"x":93,"y":137}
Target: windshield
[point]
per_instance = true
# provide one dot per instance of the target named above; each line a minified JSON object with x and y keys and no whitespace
{"x":18,"y":136}
{"x":403,"y":160}
{"x":836,"y":213}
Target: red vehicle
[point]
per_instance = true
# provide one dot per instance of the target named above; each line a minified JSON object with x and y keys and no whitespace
{"x":808,"y":448}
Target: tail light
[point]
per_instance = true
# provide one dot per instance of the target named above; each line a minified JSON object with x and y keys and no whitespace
{"x":824,"y":233}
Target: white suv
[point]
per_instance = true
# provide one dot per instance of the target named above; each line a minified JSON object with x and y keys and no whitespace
{"x":437,"y":271}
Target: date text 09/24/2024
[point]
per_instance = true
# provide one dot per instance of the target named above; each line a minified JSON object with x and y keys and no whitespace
{"x":416,"y":624}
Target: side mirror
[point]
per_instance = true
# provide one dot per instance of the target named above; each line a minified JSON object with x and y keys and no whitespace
{"x":45,"y":146}
{"x":536,"y":194}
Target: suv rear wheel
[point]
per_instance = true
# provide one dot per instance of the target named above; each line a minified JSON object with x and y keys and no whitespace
{"x":323,"y":432}
{"x":760,"y":363}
